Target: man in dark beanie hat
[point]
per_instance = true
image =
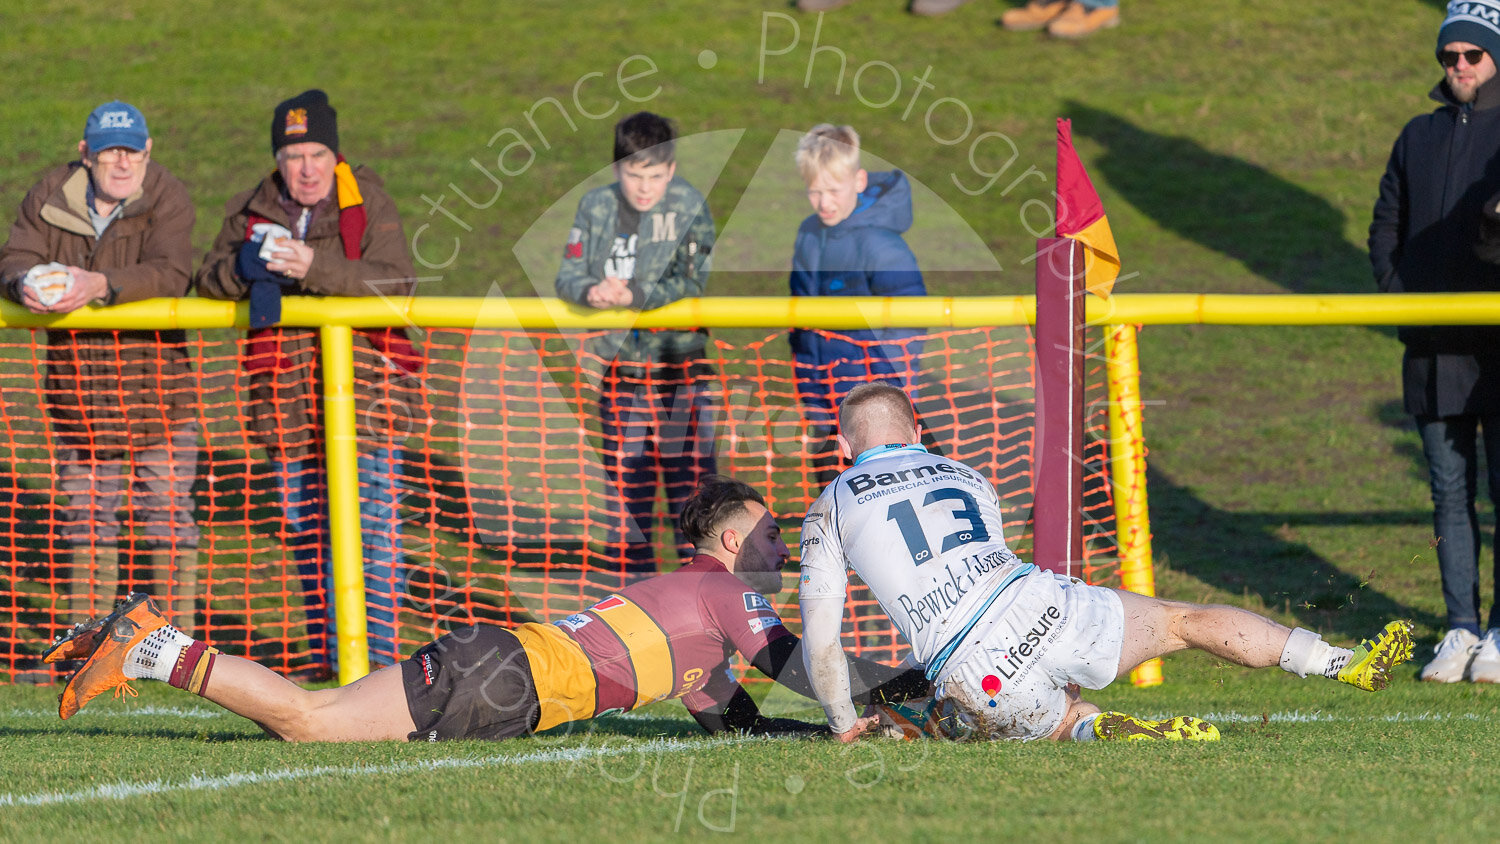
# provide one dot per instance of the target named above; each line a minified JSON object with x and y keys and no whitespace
{"x":305,"y":118}
{"x":317,"y":227}
{"x":1474,"y":22}
{"x":1423,"y":240}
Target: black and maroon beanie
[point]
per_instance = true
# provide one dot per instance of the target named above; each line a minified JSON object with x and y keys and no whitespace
{"x":305,"y":118}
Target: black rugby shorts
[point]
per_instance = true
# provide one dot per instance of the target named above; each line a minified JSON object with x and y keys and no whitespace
{"x":473,"y":683}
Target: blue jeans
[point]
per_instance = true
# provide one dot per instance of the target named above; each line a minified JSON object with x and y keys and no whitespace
{"x":820,"y":388}
{"x":305,"y":500}
{"x":1098,"y":4}
{"x":1451,"y":446}
{"x":655,"y":420}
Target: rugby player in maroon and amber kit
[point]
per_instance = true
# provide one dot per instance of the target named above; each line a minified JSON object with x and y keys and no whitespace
{"x":665,"y":637}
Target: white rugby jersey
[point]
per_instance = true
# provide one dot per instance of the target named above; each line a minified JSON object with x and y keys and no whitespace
{"x":924,"y":533}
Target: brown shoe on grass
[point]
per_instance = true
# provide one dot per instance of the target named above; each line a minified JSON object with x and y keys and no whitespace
{"x":1032,"y":16}
{"x":1078,"y":21}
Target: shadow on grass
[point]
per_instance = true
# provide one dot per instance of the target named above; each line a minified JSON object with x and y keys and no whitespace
{"x":63,"y":729}
{"x":1242,"y":554}
{"x":629,"y":726}
{"x":1280,"y":231}
{"x":1391,"y":413}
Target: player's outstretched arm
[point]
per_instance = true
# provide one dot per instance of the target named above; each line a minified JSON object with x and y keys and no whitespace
{"x":821,"y":594}
{"x":740,"y":714}
{"x":869,"y":682}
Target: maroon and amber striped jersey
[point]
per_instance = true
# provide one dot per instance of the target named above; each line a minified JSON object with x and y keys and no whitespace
{"x":665,"y":637}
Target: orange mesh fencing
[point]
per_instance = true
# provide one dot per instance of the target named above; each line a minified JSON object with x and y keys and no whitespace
{"x":504,"y":508}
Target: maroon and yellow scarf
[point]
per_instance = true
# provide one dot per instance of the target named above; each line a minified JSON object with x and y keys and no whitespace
{"x":264,"y":349}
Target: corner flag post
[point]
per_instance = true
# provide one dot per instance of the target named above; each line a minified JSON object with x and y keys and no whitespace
{"x":1081,"y":259}
{"x":1057,"y":507}
{"x":1064,"y":278}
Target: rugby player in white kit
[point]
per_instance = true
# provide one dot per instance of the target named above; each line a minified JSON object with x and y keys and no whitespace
{"x":1006,"y":644}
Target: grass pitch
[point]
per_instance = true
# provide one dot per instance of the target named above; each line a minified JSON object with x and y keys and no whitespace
{"x":1236,"y":148}
{"x":1299,"y":761}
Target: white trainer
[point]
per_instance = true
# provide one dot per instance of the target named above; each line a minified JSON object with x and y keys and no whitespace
{"x":1486,"y":665}
{"x":1452,"y":657}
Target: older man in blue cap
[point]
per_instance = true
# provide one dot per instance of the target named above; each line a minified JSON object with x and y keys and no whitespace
{"x":114,"y":227}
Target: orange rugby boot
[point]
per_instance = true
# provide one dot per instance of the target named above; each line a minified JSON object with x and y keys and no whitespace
{"x":132,"y":621}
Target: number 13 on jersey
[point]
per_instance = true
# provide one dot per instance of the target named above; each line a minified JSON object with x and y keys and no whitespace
{"x":912,"y":526}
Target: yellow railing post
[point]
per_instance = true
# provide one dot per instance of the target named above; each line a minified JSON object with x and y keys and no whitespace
{"x":341,"y":442}
{"x":1127,"y":451}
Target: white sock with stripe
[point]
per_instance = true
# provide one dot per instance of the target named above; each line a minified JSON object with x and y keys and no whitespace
{"x":156,"y":654}
{"x":1083,"y":730}
{"x":1306,"y":653}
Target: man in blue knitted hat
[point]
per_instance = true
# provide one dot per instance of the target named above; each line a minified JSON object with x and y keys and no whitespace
{"x":1422,"y":240}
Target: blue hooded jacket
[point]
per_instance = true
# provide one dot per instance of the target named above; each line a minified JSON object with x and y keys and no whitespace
{"x":864,"y":255}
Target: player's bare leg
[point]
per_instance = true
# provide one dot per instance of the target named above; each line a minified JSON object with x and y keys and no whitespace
{"x":1155,"y":627}
{"x":136,"y":643}
{"x":372,"y":708}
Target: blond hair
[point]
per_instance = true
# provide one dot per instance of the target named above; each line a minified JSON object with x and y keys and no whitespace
{"x":828,"y":147}
{"x":875,"y":414}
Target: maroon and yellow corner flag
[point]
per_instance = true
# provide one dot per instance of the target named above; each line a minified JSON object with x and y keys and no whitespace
{"x":1080,"y":216}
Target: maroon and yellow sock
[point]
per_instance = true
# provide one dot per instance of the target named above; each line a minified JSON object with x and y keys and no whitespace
{"x":171,"y":656}
{"x":192,"y":668}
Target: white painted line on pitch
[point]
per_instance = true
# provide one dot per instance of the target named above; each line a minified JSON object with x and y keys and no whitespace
{"x":134,"y":712}
{"x":1297,"y":716}
{"x":127,"y":790}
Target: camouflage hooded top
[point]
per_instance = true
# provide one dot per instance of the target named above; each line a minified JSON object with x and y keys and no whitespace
{"x":674,"y":240}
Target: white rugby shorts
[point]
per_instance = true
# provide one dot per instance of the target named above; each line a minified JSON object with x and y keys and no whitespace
{"x":1057,"y":630}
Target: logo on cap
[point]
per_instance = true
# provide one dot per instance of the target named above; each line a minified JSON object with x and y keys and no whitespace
{"x":116,"y":120}
{"x":296,"y":121}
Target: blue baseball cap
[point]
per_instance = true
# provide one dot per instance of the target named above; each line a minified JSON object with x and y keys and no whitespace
{"x":116,"y":124}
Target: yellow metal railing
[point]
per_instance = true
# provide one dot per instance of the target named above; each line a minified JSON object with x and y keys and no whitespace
{"x":781,"y":312}
{"x":336,"y":316}
{"x":1297,"y":309}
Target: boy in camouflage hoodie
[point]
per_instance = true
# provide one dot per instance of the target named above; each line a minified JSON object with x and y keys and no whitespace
{"x":642,"y":243}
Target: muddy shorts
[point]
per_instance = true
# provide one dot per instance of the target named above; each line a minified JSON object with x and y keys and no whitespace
{"x":473,"y":683}
{"x":1057,"y":631}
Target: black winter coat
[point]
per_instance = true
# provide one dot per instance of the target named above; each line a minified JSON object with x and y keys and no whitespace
{"x":1425,"y":238}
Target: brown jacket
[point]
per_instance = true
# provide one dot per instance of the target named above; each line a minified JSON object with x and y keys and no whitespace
{"x":285,"y":400}
{"x":112,"y":389}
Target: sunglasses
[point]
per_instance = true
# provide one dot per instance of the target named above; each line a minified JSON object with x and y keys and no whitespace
{"x":1449,"y":58}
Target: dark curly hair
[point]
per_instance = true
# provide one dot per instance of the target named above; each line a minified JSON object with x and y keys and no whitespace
{"x":716,"y":500}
